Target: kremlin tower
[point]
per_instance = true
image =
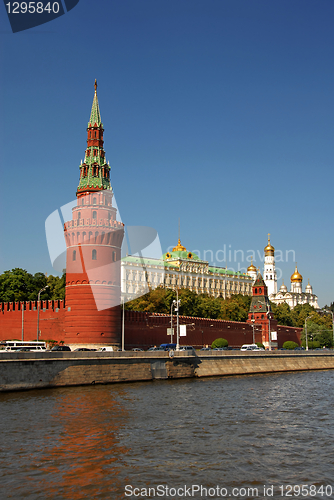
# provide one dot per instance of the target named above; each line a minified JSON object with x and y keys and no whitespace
{"x":260,"y":313}
{"x":93,"y":240}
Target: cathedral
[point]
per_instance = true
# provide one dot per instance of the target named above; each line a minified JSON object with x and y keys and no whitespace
{"x":296,"y":294}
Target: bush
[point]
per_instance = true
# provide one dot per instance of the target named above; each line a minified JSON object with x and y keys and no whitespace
{"x":219,"y":343}
{"x":259,"y":344}
{"x":290,"y":345}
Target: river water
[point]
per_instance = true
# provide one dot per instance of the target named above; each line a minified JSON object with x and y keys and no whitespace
{"x":196,"y":438}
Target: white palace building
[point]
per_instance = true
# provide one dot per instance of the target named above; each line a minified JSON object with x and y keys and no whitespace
{"x":180,"y":269}
{"x":183,"y":269}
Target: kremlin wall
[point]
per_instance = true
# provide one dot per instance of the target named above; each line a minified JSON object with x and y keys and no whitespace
{"x":91,"y":314}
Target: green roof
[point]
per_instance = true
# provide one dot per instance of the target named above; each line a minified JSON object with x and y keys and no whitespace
{"x":222,"y":270}
{"x":147,"y":262}
{"x":180,"y":254}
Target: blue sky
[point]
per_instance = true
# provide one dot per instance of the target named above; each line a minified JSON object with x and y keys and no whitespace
{"x":217,"y":112}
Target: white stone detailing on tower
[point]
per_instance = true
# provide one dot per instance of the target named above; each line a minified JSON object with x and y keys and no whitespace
{"x":269,"y":274}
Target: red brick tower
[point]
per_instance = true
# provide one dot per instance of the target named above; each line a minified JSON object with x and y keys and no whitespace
{"x":93,"y":239}
{"x":260,"y":312}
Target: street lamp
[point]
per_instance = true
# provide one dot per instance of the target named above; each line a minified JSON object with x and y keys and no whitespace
{"x":306,"y":339}
{"x":171,"y":321}
{"x":331,"y":312}
{"x":268,"y":316}
{"x":253,"y":321}
{"x":177,"y":303}
{"x":38,"y":306}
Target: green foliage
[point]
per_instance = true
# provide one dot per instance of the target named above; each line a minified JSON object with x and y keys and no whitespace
{"x":289,"y":344}
{"x":19,"y":285}
{"x":259,"y":344}
{"x":317,"y":332}
{"x":235,"y":308}
{"x":219,"y":343}
{"x":282,"y":313}
{"x":160,"y":300}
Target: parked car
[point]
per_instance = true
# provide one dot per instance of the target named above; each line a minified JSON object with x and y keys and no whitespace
{"x":168,"y":347}
{"x":60,"y":348}
{"x":251,"y":347}
{"x":206,"y":349}
{"x":156,"y":348}
{"x":186,"y":348}
{"x":83,"y":349}
{"x":109,"y":348}
{"x":299,"y":348}
{"x":137,"y":349}
{"x":219,"y":349}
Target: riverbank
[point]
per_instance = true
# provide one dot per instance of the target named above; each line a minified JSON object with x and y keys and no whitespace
{"x":33,"y":370}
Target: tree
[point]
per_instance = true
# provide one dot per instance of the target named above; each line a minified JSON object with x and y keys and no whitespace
{"x":218,"y":343}
{"x":19,"y":285}
{"x":317,"y":334}
{"x":235,"y":308}
{"x":282,"y":313}
{"x":15,"y":285}
{"x":289,"y":344}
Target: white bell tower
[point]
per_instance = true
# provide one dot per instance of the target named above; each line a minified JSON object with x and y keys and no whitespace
{"x":269,"y":274}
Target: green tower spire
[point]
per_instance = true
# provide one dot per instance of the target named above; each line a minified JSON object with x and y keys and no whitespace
{"x":94,"y":171}
{"x":95,"y":117}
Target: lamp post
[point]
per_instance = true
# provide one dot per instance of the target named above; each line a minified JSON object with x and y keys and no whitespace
{"x":38,"y":307}
{"x":177,"y":307}
{"x":306,"y":339}
{"x":331,"y":312}
{"x":268,"y":316}
{"x":253,"y":321}
{"x":171,"y":321}
{"x":123,"y":329}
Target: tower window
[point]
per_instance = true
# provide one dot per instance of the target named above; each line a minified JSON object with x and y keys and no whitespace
{"x":74,"y":255}
{"x":79,"y":215}
{"x":82,"y":201}
{"x":94,"y":201}
{"x":260,"y":290}
{"x":256,"y":290}
{"x":94,"y":215}
{"x":94,"y":255}
{"x":114,"y":256}
{"x":95,"y":133}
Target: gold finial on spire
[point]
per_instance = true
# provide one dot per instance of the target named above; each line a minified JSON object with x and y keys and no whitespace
{"x":296,"y":277}
{"x":95,"y":85}
{"x":269,"y":249}
{"x":179,"y":247}
{"x":251,"y":267}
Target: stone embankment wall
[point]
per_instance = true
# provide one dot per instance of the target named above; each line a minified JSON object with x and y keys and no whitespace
{"x":20,"y":371}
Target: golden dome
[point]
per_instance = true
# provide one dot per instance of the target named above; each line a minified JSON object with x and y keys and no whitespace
{"x":179,"y":247}
{"x":251,"y":268}
{"x":296,"y":277}
{"x":269,"y":249}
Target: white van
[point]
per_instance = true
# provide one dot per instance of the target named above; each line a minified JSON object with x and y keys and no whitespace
{"x":251,"y":347}
{"x":107,"y":348}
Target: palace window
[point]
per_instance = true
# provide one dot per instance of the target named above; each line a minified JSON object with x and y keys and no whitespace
{"x":94,"y":255}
